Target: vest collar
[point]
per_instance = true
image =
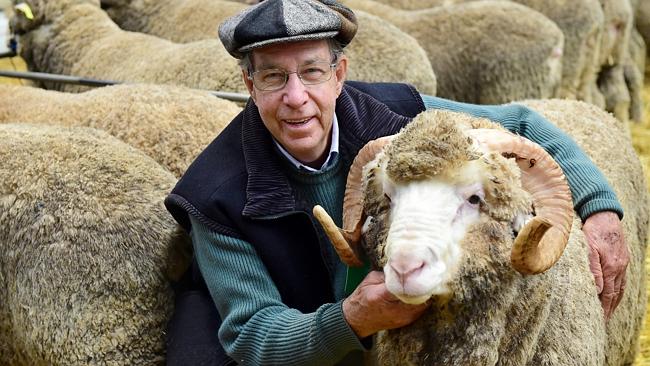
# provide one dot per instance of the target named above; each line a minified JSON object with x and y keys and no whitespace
{"x":268,"y":192}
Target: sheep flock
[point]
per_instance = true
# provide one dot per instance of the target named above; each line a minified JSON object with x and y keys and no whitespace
{"x":89,"y":254}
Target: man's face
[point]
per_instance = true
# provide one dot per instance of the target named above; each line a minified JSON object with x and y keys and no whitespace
{"x":298,"y":116}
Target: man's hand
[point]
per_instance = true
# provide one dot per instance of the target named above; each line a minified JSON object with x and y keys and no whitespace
{"x":608,"y":257}
{"x":371,"y":308}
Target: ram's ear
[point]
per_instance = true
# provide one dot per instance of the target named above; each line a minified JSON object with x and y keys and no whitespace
{"x":542,"y":240}
{"x":502,"y":185}
{"x":519,"y":221}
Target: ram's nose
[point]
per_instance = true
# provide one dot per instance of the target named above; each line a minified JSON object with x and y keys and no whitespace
{"x":406,"y":265}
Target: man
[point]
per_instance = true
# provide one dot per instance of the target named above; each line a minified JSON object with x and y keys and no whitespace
{"x":277,"y":285}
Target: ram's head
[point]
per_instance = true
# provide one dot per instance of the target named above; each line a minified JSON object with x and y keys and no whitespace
{"x":411,"y":198}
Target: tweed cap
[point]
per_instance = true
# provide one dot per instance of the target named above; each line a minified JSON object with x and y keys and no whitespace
{"x":281,"y":21}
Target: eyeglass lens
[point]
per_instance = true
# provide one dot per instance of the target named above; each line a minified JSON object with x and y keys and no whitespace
{"x":310,"y":74}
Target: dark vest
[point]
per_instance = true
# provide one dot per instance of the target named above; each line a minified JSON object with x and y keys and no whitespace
{"x":236,"y":187}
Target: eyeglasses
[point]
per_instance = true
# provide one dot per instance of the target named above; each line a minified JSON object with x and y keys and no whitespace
{"x":275,"y":79}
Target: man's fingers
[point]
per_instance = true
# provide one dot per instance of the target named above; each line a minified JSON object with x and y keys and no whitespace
{"x":609,"y":296}
{"x":606,"y":302}
{"x":374,"y":277}
{"x":596,"y":270}
{"x":620,"y":285}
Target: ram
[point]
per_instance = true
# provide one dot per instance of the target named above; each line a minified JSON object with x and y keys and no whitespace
{"x":477,"y":220}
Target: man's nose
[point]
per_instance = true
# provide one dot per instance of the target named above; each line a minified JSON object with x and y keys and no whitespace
{"x":295,"y":92}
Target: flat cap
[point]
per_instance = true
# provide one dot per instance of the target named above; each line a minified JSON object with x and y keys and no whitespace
{"x":281,"y":21}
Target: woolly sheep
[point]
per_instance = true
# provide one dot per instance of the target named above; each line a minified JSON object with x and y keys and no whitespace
{"x":642,"y":19}
{"x":634,"y":69}
{"x":76,"y":37}
{"x":618,"y":24}
{"x":614,"y":59}
{"x":459,"y":205}
{"x":633,"y":72}
{"x":520,"y":59}
{"x":581,"y":22}
{"x":87,"y":249}
{"x":170,"y":124}
{"x":379,"y":52}
{"x":611,"y":82}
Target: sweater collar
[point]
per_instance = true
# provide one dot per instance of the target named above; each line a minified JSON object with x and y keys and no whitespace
{"x":268,"y":192}
{"x":334,"y":151}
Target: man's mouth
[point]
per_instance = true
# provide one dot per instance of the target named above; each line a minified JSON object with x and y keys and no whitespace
{"x":297,"y":122}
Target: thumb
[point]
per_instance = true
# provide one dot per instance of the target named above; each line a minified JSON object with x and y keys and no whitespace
{"x":374,"y":277}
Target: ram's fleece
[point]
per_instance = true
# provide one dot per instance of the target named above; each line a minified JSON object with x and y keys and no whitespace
{"x":441,"y":216}
{"x":86,"y":249}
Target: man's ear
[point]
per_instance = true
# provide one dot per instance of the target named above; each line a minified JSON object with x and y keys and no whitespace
{"x":249,"y":84}
{"x":341,"y":72}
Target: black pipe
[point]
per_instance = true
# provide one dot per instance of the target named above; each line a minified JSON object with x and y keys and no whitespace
{"x":42,"y":76}
{"x":9,"y":53}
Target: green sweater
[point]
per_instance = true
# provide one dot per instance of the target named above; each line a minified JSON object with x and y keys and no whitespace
{"x":259,"y":329}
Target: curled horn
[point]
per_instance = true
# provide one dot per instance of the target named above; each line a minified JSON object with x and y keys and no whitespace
{"x":542,"y":240}
{"x":346,"y":240}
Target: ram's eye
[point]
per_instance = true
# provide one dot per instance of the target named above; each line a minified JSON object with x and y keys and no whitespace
{"x":474,"y":199}
{"x":387,"y":197}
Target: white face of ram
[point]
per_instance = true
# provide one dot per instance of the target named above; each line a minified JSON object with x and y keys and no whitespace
{"x":428,"y":220}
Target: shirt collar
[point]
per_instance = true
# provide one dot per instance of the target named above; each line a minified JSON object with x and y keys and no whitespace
{"x":334,"y":150}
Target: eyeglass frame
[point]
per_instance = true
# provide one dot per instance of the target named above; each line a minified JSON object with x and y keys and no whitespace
{"x":332,"y":65}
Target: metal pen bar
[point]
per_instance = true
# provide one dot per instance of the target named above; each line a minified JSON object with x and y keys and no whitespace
{"x":42,"y":76}
{"x":9,"y":53}
{"x":66,"y":79}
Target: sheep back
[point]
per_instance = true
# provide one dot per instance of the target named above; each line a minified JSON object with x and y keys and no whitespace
{"x":87,"y":248}
{"x":379,"y":52}
{"x":177,"y":21}
{"x":416,"y":4}
{"x":581,"y":22}
{"x":520,"y":59}
{"x":607,"y":142}
{"x":170,"y":124}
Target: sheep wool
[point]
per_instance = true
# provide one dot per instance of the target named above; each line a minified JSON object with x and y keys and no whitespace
{"x":78,"y":38}
{"x":615,"y":84}
{"x":177,"y":21}
{"x":607,"y":141}
{"x":581,"y":22}
{"x":170,"y":124}
{"x":521,"y":57}
{"x":493,"y":314}
{"x":642,"y":19}
{"x":416,"y":4}
{"x":379,"y":52}
{"x":87,"y":249}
